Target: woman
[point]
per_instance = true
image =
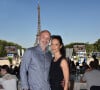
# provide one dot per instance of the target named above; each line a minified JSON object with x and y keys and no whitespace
{"x":59,"y":70}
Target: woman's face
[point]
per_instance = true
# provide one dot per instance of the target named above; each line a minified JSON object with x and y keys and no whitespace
{"x":55,"y":46}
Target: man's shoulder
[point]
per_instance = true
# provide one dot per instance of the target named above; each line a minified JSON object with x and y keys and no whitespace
{"x":95,"y":71}
{"x":92,"y":72}
{"x":30,"y":48}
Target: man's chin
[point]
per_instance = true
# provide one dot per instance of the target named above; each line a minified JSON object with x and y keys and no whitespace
{"x":44,"y":46}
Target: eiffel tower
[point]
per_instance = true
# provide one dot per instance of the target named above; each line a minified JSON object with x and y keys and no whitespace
{"x":39,"y":26}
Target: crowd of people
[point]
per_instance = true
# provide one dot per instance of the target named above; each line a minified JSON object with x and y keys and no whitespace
{"x":90,"y":73}
{"x":44,"y":68}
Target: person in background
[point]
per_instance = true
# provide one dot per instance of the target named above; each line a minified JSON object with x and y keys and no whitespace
{"x":35,"y":65}
{"x":59,"y":70}
{"x":84,"y":67}
{"x":6,"y":76}
{"x":91,"y":76}
{"x":96,"y":61}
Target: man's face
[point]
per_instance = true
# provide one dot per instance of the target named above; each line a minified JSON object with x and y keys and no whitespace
{"x":3,"y":72}
{"x":44,"y":39}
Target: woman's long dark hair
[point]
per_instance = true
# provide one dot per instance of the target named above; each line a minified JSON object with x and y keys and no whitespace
{"x":62,"y":50}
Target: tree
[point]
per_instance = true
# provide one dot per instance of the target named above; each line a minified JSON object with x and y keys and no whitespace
{"x":3,"y":44}
{"x":89,"y":48}
{"x":97,"y":46}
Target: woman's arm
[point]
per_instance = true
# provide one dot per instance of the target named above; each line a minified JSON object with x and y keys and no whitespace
{"x":65,"y":69}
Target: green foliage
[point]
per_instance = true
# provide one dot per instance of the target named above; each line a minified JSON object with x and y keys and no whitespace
{"x":4,"y":43}
{"x":95,"y":47}
{"x":89,"y":48}
{"x":2,"y":51}
{"x":74,"y":43}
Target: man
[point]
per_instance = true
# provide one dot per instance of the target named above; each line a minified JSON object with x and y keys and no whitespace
{"x":92,"y":76}
{"x":35,"y":65}
{"x":5,"y":73}
{"x":8,"y":81}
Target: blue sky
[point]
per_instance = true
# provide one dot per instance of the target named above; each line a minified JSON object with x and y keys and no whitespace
{"x":74,"y":20}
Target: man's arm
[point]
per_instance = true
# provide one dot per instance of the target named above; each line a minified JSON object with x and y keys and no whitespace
{"x":24,"y":68}
{"x":82,"y":81}
{"x":83,"y":78}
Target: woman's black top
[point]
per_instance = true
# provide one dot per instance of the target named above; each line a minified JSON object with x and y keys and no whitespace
{"x":56,"y":75}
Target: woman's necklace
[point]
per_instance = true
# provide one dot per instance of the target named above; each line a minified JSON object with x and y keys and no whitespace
{"x":56,"y":58}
